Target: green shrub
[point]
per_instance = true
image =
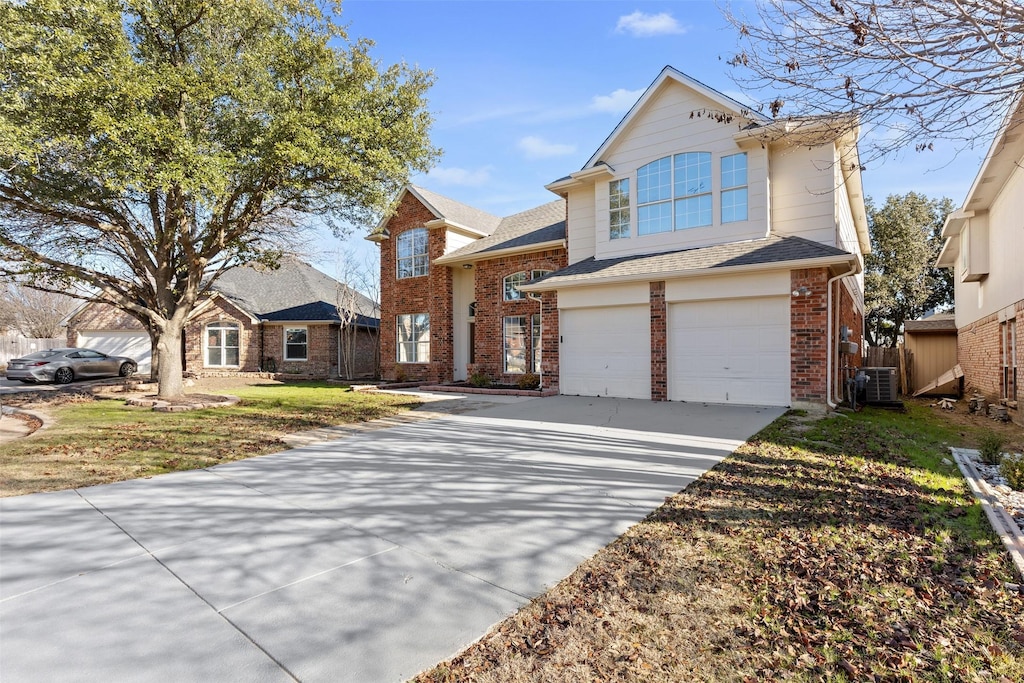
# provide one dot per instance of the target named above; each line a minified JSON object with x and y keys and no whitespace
{"x":529,"y":381}
{"x":991,"y":448}
{"x":480,"y":379}
{"x":1012,"y":468}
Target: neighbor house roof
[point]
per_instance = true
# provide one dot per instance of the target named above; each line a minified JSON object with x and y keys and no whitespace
{"x":294,"y":292}
{"x":534,"y":229}
{"x":940,"y":322}
{"x":754,"y":254}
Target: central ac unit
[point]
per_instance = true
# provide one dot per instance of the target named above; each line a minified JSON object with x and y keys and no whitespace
{"x":882,"y":386}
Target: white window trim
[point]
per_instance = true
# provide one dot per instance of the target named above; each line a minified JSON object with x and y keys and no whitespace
{"x":525,"y":324}
{"x":415,"y":344}
{"x":673,"y":198}
{"x":410,"y":234}
{"x":284,"y":344}
{"x":206,"y":343}
{"x":627,"y":209}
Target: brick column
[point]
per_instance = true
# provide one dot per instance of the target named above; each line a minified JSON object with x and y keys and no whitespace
{"x":659,"y":352}
{"x":549,"y":342}
{"x":808,"y":322}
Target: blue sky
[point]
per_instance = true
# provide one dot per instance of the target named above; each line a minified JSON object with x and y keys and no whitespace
{"x":527,"y":91}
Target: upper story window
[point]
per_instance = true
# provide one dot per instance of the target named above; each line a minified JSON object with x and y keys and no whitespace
{"x":674,"y":193}
{"x":618,"y":208}
{"x":734,"y":188}
{"x":513,"y":282}
{"x":412,"y":253}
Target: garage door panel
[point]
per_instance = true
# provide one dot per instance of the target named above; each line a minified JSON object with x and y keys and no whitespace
{"x":135,"y":345}
{"x":729,"y":351}
{"x":606,"y":352}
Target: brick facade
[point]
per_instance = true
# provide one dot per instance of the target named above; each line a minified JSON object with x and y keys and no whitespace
{"x":491,"y":309}
{"x":100,"y":317}
{"x":659,"y":343}
{"x":807,"y":324}
{"x":846,"y":314}
{"x":430,"y":293}
{"x":979,"y":353}
{"x":551,"y":341}
{"x":221,"y":310}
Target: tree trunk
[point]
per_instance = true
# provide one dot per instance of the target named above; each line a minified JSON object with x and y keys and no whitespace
{"x":154,"y":366}
{"x":168,"y":350}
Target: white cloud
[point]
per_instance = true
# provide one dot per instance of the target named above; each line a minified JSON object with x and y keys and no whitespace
{"x":538,"y":148}
{"x":461,"y":176}
{"x":640,"y":25}
{"x":618,"y":102}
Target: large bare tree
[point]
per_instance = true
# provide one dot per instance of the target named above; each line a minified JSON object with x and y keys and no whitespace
{"x":146,"y":146}
{"x":32,"y":312}
{"x":918,"y":72}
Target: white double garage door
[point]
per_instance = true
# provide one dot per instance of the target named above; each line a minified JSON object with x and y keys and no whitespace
{"x":131,"y":343}
{"x":718,"y":351}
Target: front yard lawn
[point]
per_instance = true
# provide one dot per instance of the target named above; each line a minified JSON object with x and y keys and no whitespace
{"x":95,"y":441}
{"x":841,"y":550}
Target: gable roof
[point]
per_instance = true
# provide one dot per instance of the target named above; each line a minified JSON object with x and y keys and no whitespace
{"x":673,"y":74}
{"x":537,"y":228}
{"x":758,"y":254}
{"x":295,"y":292}
{"x":445,"y":210}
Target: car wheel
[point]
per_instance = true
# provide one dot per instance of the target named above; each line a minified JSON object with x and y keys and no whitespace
{"x":63,"y":376}
{"x":127,"y":370}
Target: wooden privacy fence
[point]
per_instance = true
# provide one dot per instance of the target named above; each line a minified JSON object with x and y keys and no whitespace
{"x":898,"y":357}
{"x":16,"y":346}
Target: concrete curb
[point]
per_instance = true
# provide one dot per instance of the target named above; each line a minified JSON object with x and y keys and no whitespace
{"x":44,"y":422}
{"x":998,"y":517}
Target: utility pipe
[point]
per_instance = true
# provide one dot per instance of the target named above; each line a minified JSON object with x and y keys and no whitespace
{"x":828,"y":351}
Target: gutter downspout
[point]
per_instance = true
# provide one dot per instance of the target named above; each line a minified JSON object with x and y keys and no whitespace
{"x":828,"y":339}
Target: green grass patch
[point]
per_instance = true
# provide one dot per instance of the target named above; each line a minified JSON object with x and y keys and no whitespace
{"x":102,"y":440}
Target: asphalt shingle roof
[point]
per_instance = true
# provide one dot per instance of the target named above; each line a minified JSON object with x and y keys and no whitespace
{"x":460,"y":213}
{"x":540,"y":224}
{"x":939,"y":322}
{"x":772,"y":249}
{"x":294,"y":292}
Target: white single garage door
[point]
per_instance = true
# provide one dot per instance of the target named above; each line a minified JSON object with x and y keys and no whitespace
{"x":730,"y":351}
{"x":131,"y":343}
{"x":606,"y":351}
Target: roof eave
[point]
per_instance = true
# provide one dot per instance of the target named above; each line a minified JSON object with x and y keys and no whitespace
{"x":457,"y":227}
{"x":455,"y":258}
{"x":580,"y":178}
{"x":820,"y":262}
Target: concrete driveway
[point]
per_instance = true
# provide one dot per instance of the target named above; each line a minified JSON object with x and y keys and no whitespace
{"x":366,"y":559}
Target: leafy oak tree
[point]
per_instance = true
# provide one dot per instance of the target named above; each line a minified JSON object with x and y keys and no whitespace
{"x":901,"y":281}
{"x":916,"y":72}
{"x":147,"y":146}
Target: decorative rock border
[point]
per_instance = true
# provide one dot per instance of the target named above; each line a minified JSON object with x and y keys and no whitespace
{"x":161,"y":406}
{"x":1003,"y":524}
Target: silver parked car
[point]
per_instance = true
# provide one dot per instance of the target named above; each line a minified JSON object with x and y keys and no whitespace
{"x":66,"y":365}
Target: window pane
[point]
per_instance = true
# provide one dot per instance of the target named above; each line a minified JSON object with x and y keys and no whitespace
{"x":231,"y":356}
{"x":654,"y":181}
{"x":693,"y":173}
{"x":512,"y":283}
{"x":295,"y":335}
{"x":515,"y":344}
{"x":693,"y":212}
{"x":231,"y":338}
{"x":405,"y":244}
{"x":213,"y":356}
{"x":734,"y":170}
{"x":413,"y":259}
{"x":654,"y":218}
{"x":734,"y":205}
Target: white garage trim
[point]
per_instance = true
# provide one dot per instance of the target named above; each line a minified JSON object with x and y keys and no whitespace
{"x":606,"y":351}
{"x":131,"y":343}
{"x":730,"y":351}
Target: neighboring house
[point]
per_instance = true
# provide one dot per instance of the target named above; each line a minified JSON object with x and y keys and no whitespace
{"x":702,"y":254}
{"x":282,"y":320}
{"x":985,"y":248}
{"x":931,"y":342}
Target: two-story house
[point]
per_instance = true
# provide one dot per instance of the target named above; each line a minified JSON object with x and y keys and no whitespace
{"x":985,"y":248}
{"x":702,"y":253}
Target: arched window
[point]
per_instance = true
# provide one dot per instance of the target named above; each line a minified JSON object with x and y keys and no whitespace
{"x":674,"y":193}
{"x":222,"y":344}
{"x":512,"y":283}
